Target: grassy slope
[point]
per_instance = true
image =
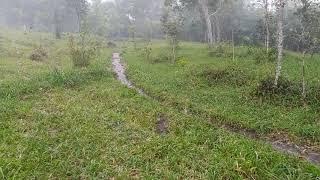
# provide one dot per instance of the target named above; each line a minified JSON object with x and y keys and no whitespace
{"x":83,"y":123}
{"x":182,"y":86}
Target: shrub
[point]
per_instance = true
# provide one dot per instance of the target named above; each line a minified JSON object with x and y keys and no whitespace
{"x":229,"y":76}
{"x":147,"y":50}
{"x":39,"y":54}
{"x":287,"y":92}
{"x":162,"y":57}
{"x":182,"y":61}
{"x":285,"y":87}
{"x":111,"y":44}
{"x":84,"y":51}
{"x":261,"y":56}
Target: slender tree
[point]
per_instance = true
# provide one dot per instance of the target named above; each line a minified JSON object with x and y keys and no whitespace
{"x":280,"y":4}
{"x":204,"y":7}
{"x":266,"y":7}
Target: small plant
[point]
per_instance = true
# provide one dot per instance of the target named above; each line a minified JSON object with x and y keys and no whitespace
{"x":147,"y":50}
{"x":82,"y":52}
{"x":182,"y":61}
{"x":39,"y":54}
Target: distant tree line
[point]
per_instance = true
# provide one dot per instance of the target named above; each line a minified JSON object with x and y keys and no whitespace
{"x":213,"y":21}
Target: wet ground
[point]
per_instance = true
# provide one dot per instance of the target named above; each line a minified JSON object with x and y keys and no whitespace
{"x":119,"y":69}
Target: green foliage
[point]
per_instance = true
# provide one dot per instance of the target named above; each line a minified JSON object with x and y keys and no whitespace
{"x":287,"y":93}
{"x":228,"y":76}
{"x":162,"y":57}
{"x":227,"y":89}
{"x":183,"y":61}
{"x":111,"y":44}
{"x":82,"y":123}
{"x":262,"y":56}
{"x":147,"y":51}
{"x":83,"y":51}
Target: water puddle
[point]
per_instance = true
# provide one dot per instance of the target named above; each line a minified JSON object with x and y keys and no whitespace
{"x":297,"y":151}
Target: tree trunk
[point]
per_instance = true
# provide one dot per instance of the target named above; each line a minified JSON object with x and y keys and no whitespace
{"x":304,"y":92}
{"x":204,"y":7}
{"x":280,"y":7}
{"x":218,"y":29}
{"x":57,"y":24}
{"x":233,"y":54}
{"x":173,"y":52}
{"x":267,"y":24}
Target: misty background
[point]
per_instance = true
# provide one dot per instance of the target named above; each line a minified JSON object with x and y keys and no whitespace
{"x":123,"y":19}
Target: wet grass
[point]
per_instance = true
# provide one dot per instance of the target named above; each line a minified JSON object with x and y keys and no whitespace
{"x":179,"y":87}
{"x":83,"y":124}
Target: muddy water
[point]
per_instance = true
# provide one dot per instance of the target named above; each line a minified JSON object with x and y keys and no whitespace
{"x":282,"y":146}
{"x":295,"y":150}
{"x":119,"y":69}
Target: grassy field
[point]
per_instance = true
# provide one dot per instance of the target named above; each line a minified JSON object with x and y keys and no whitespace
{"x":222,"y":89}
{"x":70,"y":123}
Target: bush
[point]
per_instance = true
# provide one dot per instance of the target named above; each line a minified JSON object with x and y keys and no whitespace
{"x":229,"y":76}
{"x":182,"y":61}
{"x":287,"y":93}
{"x":261,"y":56}
{"x":147,"y":50}
{"x":284,"y":88}
{"x":84,"y":51}
{"x":111,"y":44}
{"x":39,"y":54}
{"x":162,"y":57}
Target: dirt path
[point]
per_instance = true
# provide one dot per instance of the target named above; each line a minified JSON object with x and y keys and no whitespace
{"x":282,"y":144}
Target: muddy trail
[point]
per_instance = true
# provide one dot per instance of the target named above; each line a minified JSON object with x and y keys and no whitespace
{"x":278,"y":142}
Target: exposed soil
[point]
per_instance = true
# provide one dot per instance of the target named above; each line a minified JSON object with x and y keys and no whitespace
{"x":279,"y":142}
{"x":162,"y":124}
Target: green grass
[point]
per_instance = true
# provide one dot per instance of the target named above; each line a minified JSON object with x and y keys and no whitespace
{"x":182,"y":86}
{"x":82,"y":123}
